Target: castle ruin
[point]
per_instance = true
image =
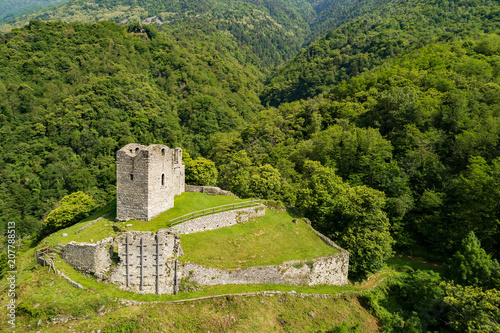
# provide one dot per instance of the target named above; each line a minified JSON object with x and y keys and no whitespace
{"x":147,"y":180}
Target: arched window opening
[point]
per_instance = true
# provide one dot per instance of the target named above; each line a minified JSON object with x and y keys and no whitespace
{"x":163,"y":152}
{"x":131,"y":176}
{"x":136,"y":150}
{"x":162,"y":179}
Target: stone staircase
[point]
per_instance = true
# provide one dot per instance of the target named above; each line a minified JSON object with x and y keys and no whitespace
{"x":59,"y":249}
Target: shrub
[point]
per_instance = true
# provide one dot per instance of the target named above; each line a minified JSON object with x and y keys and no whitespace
{"x":72,"y":208}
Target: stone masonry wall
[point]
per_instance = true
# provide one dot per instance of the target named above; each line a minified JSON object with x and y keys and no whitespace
{"x":219,"y":220}
{"x":328,"y":270}
{"x":147,"y":179}
{"x":140,"y":257}
{"x":89,"y":258}
{"x":131,"y":183}
{"x":208,"y":190}
{"x":166,"y":178}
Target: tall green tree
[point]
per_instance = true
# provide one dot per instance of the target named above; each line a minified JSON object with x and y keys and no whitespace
{"x":471,"y":309}
{"x":266,"y":183}
{"x":200,"y":171}
{"x":353,"y":216}
{"x":235,"y":176}
{"x":366,"y":231}
{"x":472,"y":266}
{"x":476,"y":207}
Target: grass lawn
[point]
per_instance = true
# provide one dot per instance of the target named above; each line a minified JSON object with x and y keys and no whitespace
{"x":98,"y":231}
{"x":269,"y":240}
{"x":43,"y":296}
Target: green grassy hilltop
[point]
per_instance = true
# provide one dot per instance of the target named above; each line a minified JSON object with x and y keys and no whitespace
{"x":46,"y":302}
{"x":268,"y":240}
{"x":272,"y":239}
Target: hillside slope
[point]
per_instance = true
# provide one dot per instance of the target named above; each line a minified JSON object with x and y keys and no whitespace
{"x":46,"y":301}
{"x":271,"y":31}
{"x":331,"y":14}
{"x":423,"y":128}
{"x":78,"y":92}
{"x":10,"y":9}
{"x":393,"y":30}
{"x":274,"y":30}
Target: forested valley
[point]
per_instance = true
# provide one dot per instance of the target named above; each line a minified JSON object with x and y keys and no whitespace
{"x":384,"y":131}
{"x":15,"y":8}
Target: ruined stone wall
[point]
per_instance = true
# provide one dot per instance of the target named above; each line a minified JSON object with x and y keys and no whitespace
{"x":138,"y":269}
{"x":89,"y":258}
{"x":166,"y":178}
{"x":131,"y":183}
{"x":179,"y":173}
{"x":219,"y":220}
{"x":146,"y":261}
{"x":326,"y":239}
{"x":328,"y":270}
{"x":211,"y":190}
{"x":147,"y":179}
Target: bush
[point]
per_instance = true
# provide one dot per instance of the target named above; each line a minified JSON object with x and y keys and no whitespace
{"x":201,"y":172}
{"x":73,"y":208}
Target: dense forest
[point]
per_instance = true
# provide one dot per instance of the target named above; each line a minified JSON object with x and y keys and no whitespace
{"x":272,"y":30}
{"x":404,"y":157}
{"x":77,"y":92}
{"x":384,"y":132}
{"x":394,"y":29}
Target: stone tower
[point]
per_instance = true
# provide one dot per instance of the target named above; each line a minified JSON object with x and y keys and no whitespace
{"x":147,"y":179}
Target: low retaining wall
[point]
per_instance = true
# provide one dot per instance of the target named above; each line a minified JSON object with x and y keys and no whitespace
{"x":326,"y":239}
{"x":71,"y":282}
{"x":219,"y":220}
{"x":328,"y":270}
{"x":211,"y":190}
{"x":89,"y":258}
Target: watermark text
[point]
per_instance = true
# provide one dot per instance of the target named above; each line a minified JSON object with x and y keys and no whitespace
{"x":11,"y":275}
